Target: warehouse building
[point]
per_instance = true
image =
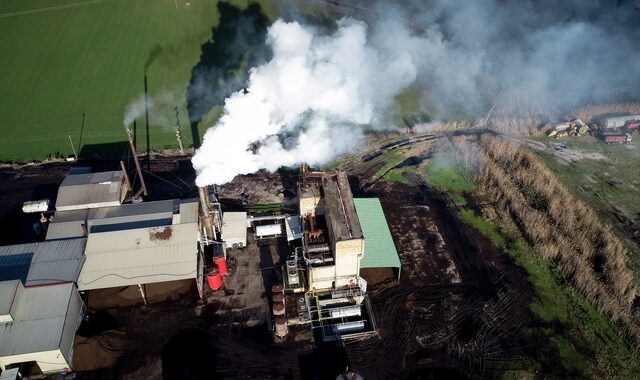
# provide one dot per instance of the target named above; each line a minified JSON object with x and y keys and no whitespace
{"x":43,"y":263}
{"x":77,"y":223}
{"x":134,"y":253}
{"x":38,"y":326}
{"x":91,"y":190}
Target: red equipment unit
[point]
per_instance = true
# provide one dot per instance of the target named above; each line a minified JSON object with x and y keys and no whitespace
{"x":634,"y":125}
{"x":214,"y":279}
{"x":221,"y":263}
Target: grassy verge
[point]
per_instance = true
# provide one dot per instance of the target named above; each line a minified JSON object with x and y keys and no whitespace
{"x":446,"y":175}
{"x":607,"y":184}
{"x":573,"y":339}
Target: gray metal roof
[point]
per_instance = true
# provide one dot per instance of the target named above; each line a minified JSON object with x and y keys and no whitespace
{"x":339,"y":210}
{"x":234,"y":227}
{"x":39,"y":320}
{"x":79,"y":191}
{"x":9,"y":291}
{"x":41,"y":263}
{"x":140,"y":256}
{"x":77,"y":223}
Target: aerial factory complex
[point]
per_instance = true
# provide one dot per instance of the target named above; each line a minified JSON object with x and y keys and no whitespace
{"x":98,"y":240}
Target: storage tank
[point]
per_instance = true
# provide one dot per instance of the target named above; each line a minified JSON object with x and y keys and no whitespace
{"x":278,"y":308}
{"x":221,"y":264}
{"x":281,"y":326}
{"x":214,"y":280}
{"x":347,"y":311}
{"x":277,"y":297}
{"x":349,"y":327}
{"x":277,"y":288}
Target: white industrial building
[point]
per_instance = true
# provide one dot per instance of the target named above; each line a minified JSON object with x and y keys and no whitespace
{"x":333,"y":243}
{"x":38,"y":324}
{"x":234,"y":229}
{"x":127,"y":254}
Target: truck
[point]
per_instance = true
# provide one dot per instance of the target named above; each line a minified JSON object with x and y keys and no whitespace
{"x":619,"y":138}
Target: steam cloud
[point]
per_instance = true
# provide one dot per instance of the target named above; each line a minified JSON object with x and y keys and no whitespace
{"x":554,"y":54}
{"x":309,"y":103}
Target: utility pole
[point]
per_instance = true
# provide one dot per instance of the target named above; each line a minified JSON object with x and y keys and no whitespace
{"x":73,"y":148}
{"x":178,"y":135}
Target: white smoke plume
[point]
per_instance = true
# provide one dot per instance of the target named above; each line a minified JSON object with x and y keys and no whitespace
{"x":161,"y":107}
{"x":134,"y":110}
{"x":309,"y":103}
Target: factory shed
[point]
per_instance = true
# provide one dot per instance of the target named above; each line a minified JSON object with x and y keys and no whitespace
{"x":82,"y":191}
{"x":44,"y":320}
{"x":42,"y":263}
{"x":234,"y":229}
{"x":379,"y":249}
{"x":75,"y":223}
{"x":146,"y":255}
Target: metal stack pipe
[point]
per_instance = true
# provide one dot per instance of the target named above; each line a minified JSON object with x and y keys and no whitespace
{"x":206,"y":218}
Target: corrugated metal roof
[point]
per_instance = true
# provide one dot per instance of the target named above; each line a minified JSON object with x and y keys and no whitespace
{"x":80,"y":191}
{"x":39,"y":320}
{"x":339,"y":211}
{"x":140,"y":256}
{"x":15,"y":261}
{"x":57,"y":261}
{"x":8,"y":291}
{"x":379,"y":249}
{"x":68,"y":224}
{"x":234,"y":227}
{"x":41,"y":263}
{"x":189,"y":212}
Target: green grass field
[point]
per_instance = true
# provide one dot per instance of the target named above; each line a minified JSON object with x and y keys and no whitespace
{"x":63,"y":59}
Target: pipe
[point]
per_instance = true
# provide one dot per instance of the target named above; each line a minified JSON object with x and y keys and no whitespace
{"x":205,"y":204}
{"x":126,"y":176}
{"x":138,"y":169}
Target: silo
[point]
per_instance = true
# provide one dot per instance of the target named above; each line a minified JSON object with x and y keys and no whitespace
{"x":277,"y":288}
{"x":281,"y":326}
{"x":278,"y":297}
{"x":278,"y":308}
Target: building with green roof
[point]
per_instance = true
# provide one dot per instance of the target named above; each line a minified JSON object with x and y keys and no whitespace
{"x":379,"y":250}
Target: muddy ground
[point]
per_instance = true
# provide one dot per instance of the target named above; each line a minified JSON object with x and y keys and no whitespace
{"x":459,"y":310}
